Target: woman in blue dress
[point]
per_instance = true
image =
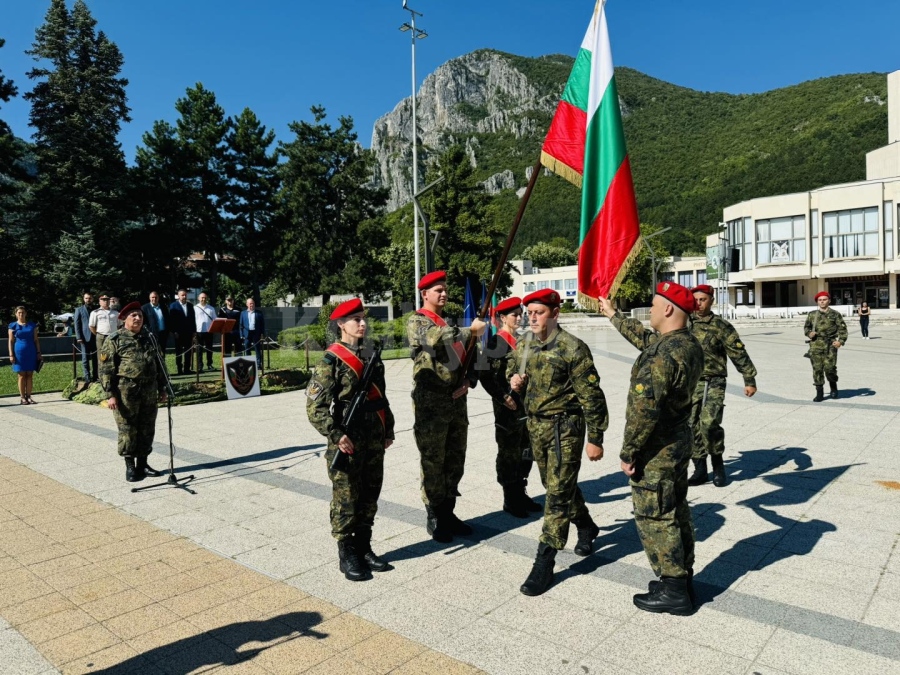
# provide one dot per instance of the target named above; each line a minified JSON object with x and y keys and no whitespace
{"x":24,"y":352}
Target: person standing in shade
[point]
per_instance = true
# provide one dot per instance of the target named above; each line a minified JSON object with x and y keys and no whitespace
{"x":133,"y":384}
{"x":864,"y":314}
{"x":233,"y":338}
{"x":103,"y":322}
{"x":156,"y":320}
{"x":563,"y":399}
{"x":205,"y":314}
{"x":183,"y":326}
{"x":510,"y":431}
{"x":354,"y":489}
{"x":656,"y":445}
{"x":24,"y":353}
{"x":441,"y":423}
{"x":85,"y":339}
{"x":827,"y":333}
{"x":720,"y":341}
{"x":253,"y":328}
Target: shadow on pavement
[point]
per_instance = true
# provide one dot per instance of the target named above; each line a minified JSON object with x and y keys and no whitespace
{"x":220,"y":646}
{"x":853,"y":393}
{"x":253,"y":457}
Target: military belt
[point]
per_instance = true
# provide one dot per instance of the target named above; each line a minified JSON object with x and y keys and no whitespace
{"x":556,"y":416}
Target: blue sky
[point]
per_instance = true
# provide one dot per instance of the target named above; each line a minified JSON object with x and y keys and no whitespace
{"x":279,"y":57}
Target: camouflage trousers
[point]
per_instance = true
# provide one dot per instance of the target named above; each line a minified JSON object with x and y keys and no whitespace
{"x":136,"y":417}
{"x":355,"y":492}
{"x":511,"y":435}
{"x":661,"y":511}
{"x":564,"y":503}
{"x":824,"y":362}
{"x":441,"y":428}
{"x":706,"y":418}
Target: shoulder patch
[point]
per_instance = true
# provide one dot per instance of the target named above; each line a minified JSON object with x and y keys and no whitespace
{"x":739,"y":344}
{"x":314,"y":390}
{"x":639,"y":388}
{"x":592,"y":378}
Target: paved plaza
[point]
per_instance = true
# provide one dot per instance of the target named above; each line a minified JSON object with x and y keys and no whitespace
{"x":798,"y":567}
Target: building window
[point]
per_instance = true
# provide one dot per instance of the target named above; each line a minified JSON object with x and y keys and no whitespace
{"x":888,"y":230}
{"x":851,"y":233}
{"x":815,"y":237}
{"x":686,"y":279}
{"x":557,"y":284}
{"x":543,"y":284}
{"x":571,"y":284}
{"x":529,"y":287}
{"x":781,"y":240}
{"x":701,"y":277}
{"x":666,"y":276}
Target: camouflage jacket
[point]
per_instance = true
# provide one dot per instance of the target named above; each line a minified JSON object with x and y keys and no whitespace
{"x":828,"y":325}
{"x":491,"y":367}
{"x":562,"y":379}
{"x":436,"y":361}
{"x":719,"y":340}
{"x":126,"y":355}
{"x":331,"y":388}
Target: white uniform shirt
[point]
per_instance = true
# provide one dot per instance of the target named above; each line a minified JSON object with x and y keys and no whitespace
{"x":204,"y":317}
{"x":106,"y":321}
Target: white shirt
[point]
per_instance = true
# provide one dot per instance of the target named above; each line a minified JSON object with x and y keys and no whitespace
{"x":106,"y":321}
{"x":204,"y":317}
{"x":251,"y":320}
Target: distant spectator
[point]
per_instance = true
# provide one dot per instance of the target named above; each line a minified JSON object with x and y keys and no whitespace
{"x":156,"y":319}
{"x":232,"y":339}
{"x":104,"y":321}
{"x":24,"y":353}
{"x":204,"y":314}
{"x":183,"y":326}
{"x":84,"y":338}
{"x":253,"y":327}
{"x":864,"y":314}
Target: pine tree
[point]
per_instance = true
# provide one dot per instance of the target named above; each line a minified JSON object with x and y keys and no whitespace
{"x":250,"y":200}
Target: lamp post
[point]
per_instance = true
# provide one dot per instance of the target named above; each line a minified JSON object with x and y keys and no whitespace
{"x":415,"y":34}
{"x":653,"y":257}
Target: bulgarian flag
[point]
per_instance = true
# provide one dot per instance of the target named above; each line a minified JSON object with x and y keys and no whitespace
{"x":586,"y":146}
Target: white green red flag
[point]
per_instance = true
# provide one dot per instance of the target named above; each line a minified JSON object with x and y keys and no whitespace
{"x":586,"y":146}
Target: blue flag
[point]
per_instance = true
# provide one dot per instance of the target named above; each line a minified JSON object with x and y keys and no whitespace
{"x":469,"y":311}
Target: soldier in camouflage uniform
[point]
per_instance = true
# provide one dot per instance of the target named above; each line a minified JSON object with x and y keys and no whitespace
{"x":356,"y":486}
{"x":563,"y":398}
{"x":133,"y":382}
{"x":439,"y":393}
{"x":509,"y":418}
{"x":657,"y":443}
{"x":719,"y":340}
{"x":827,"y":333}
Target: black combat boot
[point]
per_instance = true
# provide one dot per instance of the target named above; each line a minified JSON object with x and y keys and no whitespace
{"x":669,"y":595}
{"x":436,"y":524}
{"x":528,"y":502}
{"x":718,"y":466}
{"x":131,"y":474}
{"x":834,"y":389}
{"x":513,"y":502}
{"x":457,"y":527}
{"x":141,"y":465}
{"x":820,"y":394}
{"x":350,"y":563}
{"x":587,"y":532}
{"x":362,"y":540}
{"x":701,"y":473}
{"x":541,"y":572}
{"x":690,"y":586}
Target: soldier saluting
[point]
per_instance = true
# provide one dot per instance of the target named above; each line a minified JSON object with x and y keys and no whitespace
{"x":355,"y":488}
{"x":133,"y":382}
{"x":562,"y":395}
{"x":827,"y":333}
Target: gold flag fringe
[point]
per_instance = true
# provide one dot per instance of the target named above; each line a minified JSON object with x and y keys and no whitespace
{"x":564,"y":171}
{"x":591,"y":303}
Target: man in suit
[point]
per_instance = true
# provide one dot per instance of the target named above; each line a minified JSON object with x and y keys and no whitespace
{"x":87,"y":343}
{"x":182,"y":324}
{"x":156,"y":319}
{"x":253,"y":326}
{"x":232,"y":339}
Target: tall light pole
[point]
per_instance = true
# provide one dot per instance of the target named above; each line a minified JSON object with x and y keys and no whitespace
{"x":415,"y":34}
{"x":653,"y":257}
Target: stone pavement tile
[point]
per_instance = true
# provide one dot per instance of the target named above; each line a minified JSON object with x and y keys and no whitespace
{"x":295,"y":655}
{"x":304,"y":615}
{"x":342,"y":665}
{"x":233,"y":540}
{"x":435,"y":662}
{"x":889,"y":586}
{"x":140,"y":621}
{"x":120,"y":657}
{"x":179,"y":582}
{"x":241,"y":584}
{"x":273,"y":597}
{"x":55,"y":625}
{"x":202,"y":656}
{"x":18,"y":656}
{"x":89,"y":541}
{"x":805,"y":594}
{"x":117,"y":604}
{"x":345,"y":630}
{"x":326,"y":581}
{"x":592,"y":666}
{"x":216,"y":568}
{"x":195,"y":601}
{"x":162,"y":642}
{"x":609,"y":598}
{"x":561,"y":623}
{"x":416,"y":616}
{"x":384,"y":651}
{"x":151,"y":509}
{"x":280,"y":560}
{"x":75,"y":577}
{"x":52,"y":552}
{"x":799,"y":654}
{"x":456,"y":586}
{"x":222,"y":615}
{"x":883,"y":613}
{"x":78,"y":643}
{"x":813,"y":568}
{"x":37,"y":608}
{"x":27,"y":590}
{"x":8,"y":563}
{"x":188,"y":524}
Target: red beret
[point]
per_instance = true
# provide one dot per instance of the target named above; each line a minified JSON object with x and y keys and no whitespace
{"x":677,"y":294}
{"x":703,"y":288}
{"x":432,"y":278}
{"x":347,"y":308}
{"x":508,"y":305}
{"x":129,"y":308}
{"x":822,"y":294}
{"x":545,"y":296}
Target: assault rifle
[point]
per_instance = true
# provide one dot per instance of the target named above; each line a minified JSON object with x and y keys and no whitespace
{"x":341,"y":459}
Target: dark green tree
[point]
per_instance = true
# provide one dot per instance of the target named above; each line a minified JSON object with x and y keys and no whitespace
{"x":250,"y":200}
{"x":471,"y":238}
{"x":544,"y":254}
{"x":327,"y":236}
{"x":78,"y":105}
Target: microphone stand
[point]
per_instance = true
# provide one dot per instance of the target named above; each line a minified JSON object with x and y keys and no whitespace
{"x":172,"y":481}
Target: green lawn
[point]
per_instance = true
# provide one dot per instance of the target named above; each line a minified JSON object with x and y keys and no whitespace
{"x":56,"y":375}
